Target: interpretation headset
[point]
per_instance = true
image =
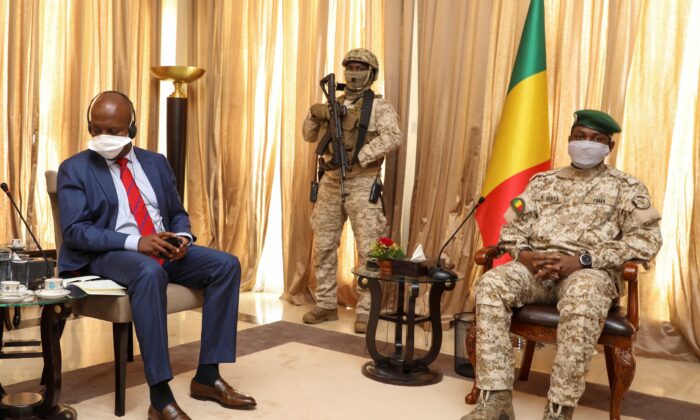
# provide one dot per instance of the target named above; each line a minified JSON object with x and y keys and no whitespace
{"x":132,"y":124}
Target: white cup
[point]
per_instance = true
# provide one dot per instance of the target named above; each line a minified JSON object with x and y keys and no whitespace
{"x":16,"y":243}
{"x":53,"y":283}
{"x":12,"y":288}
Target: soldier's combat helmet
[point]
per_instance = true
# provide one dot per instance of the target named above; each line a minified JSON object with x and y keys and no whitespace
{"x":362,"y":55}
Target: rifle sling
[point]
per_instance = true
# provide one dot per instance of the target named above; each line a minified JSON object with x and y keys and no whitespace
{"x":364,"y":123}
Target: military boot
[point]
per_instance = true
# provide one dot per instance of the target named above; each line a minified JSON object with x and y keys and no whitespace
{"x":553,"y":411}
{"x":361,"y":323}
{"x":493,"y":405}
{"x":317,"y":315}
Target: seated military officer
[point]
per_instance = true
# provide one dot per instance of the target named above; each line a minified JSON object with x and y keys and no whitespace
{"x":569,"y":234}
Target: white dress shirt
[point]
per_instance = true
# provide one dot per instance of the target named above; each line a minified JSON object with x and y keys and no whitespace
{"x":126,"y":222}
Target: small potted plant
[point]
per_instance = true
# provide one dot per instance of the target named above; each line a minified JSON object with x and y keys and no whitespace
{"x":383,"y":251}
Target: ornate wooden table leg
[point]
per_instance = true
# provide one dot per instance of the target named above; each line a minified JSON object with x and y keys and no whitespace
{"x":17,"y":318}
{"x":408,"y":363}
{"x":375,"y":291}
{"x":51,"y":346}
{"x":398,"y":327}
{"x":436,"y":290}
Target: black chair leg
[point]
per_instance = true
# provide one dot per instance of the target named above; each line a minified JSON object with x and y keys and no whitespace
{"x":120,"y":331}
{"x":130,"y":344}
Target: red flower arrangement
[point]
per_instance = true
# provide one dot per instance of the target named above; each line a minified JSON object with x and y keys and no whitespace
{"x":384,"y":248}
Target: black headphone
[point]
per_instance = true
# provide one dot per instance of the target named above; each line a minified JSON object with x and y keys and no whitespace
{"x":132,"y":124}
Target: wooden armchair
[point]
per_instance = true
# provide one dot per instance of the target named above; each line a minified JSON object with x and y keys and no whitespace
{"x":538,"y":323}
{"x":117,"y":309}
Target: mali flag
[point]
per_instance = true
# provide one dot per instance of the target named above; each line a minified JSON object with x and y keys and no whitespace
{"x":521,"y":147}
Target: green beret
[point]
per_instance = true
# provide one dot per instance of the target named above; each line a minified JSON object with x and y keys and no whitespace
{"x":597,"y":120}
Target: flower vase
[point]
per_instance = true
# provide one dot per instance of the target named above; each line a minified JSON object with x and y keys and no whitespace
{"x":384,"y":267}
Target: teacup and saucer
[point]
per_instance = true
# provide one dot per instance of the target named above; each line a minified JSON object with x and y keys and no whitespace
{"x":13,"y":291}
{"x":53,"y":288}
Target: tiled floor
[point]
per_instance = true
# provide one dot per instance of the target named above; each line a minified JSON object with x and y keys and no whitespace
{"x":88,"y":342}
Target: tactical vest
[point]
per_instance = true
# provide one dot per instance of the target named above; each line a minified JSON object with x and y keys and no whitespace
{"x":351,"y":127}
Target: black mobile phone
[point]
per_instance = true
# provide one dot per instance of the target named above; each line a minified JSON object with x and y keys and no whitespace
{"x":172,"y":240}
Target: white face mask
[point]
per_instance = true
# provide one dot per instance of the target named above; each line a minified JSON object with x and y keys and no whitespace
{"x":587,"y":154}
{"x":108,"y":146}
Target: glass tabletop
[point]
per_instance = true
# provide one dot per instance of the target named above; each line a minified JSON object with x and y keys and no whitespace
{"x":363,"y":271}
{"x":34,"y":300}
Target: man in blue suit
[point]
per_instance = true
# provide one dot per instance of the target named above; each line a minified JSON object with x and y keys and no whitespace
{"x":122,"y":219}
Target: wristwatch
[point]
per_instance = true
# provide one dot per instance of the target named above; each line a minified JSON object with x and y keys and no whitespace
{"x":518,"y":250}
{"x":586,"y":260}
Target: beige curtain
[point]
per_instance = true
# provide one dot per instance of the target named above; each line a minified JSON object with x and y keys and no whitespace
{"x":307,"y":27}
{"x":638,"y":61}
{"x":453,"y":48}
{"x":234,"y":124}
{"x":661,"y":146}
{"x":58,"y":56}
{"x":398,"y":46}
{"x":18,"y":119}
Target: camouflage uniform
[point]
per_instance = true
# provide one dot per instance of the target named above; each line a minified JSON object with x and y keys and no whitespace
{"x":602,"y":211}
{"x":330,"y":213}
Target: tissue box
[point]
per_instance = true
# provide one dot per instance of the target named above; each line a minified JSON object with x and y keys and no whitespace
{"x":411,"y":268}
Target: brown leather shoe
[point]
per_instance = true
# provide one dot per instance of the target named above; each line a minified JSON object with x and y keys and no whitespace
{"x":222,"y":393}
{"x":170,"y":412}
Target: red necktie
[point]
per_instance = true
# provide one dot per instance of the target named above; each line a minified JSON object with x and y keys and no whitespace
{"x":136,"y":204}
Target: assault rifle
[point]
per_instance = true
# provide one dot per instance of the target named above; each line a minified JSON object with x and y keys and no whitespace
{"x":334,"y":134}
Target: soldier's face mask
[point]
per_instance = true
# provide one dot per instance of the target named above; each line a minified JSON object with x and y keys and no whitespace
{"x":587,"y":154}
{"x":357,"y":80}
{"x":108,"y":146}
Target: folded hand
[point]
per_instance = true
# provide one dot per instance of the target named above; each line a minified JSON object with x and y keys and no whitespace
{"x":155,"y":245}
{"x":549,"y":265}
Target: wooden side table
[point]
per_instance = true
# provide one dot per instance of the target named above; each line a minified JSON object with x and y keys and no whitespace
{"x":45,"y":405}
{"x":401,"y":367}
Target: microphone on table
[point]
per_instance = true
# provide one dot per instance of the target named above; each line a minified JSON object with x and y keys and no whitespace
{"x":49,"y":271}
{"x":443,"y":274}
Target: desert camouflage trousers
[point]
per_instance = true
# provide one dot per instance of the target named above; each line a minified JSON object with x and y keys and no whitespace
{"x":329,"y":216}
{"x":583,"y":300}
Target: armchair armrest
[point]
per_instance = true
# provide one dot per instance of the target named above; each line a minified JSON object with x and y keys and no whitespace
{"x":629,"y":274}
{"x":486,"y":255}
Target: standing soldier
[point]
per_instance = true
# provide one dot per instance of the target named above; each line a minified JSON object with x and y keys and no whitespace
{"x":569,"y":234}
{"x":366,"y":144}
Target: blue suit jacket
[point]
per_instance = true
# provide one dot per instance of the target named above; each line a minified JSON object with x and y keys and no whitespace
{"x":87,"y":201}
